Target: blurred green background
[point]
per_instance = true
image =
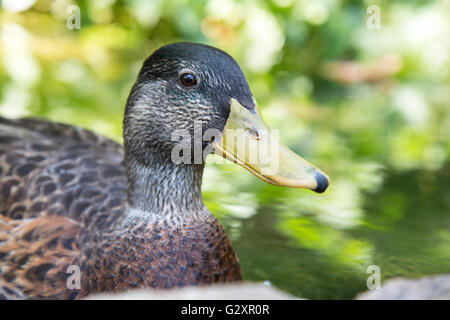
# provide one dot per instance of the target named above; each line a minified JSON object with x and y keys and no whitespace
{"x":369,"y":107}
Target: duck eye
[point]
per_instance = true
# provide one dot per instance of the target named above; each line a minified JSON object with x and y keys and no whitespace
{"x":188,"y":80}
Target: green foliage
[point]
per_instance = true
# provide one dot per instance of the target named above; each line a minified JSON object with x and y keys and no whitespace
{"x":370,"y":107}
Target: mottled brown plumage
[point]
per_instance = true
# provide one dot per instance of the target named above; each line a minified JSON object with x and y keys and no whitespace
{"x":68,"y":198}
{"x":80,"y":214}
{"x":62,"y":196}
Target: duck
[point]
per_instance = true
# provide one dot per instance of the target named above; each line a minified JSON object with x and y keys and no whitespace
{"x":81,"y":214}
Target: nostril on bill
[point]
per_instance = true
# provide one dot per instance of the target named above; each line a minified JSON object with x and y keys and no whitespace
{"x":253,"y":133}
{"x":322,"y":182}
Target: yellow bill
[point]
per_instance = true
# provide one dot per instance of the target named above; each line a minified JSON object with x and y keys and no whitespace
{"x":247,"y":141}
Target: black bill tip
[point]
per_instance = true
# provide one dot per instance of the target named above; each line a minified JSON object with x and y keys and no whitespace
{"x":322,"y":182}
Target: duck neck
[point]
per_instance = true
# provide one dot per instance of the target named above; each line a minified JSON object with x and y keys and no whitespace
{"x":157,"y":186}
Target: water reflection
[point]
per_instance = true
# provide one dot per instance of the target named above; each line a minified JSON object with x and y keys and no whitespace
{"x":404,"y":228}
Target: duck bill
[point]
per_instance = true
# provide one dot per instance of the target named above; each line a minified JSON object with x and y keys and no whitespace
{"x":247,"y":141}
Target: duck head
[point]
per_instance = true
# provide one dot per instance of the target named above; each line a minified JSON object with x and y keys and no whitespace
{"x":201,"y":93}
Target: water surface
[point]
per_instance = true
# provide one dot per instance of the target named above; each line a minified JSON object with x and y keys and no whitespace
{"x":404,"y":229}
